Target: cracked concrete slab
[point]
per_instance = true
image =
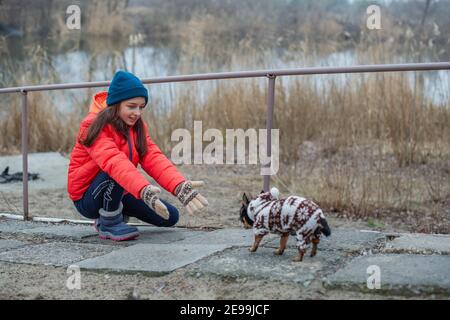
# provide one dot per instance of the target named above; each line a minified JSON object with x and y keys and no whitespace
{"x":14,"y":226}
{"x":165,"y":235}
{"x":420,"y":244}
{"x":263,"y":264}
{"x":224,"y":253}
{"x":10,"y":244}
{"x":229,"y":237}
{"x":343,"y":239}
{"x":399,"y":274}
{"x":77,"y":232}
{"x":55,"y":253}
{"x":153,"y":259}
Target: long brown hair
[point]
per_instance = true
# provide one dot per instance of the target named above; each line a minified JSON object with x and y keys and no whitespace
{"x":111,"y":115}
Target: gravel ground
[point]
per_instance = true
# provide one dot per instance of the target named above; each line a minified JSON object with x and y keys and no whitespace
{"x":46,"y":282}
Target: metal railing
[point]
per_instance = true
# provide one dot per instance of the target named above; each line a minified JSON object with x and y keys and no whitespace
{"x":271,"y":75}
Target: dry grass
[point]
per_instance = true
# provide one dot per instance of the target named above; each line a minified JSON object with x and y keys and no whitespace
{"x":48,"y":129}
{"x":376,"y":108}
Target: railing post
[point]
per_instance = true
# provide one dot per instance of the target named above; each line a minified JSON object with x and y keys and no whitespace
{"x":269,"y":124}
{"x":25,"y":154}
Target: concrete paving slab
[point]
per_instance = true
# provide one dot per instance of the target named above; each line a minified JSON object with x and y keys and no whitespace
{"x":419,"y":243}
{"x":399,"y":274}
{"x":230,"y":237}
{"x":153,"y":259}
{"x":62,"y":231}
{"x":343,"y":239}
{"x":164,"y":235}
{"x":55,"y":253}
{"x":263,"y":264}
{"x":14,"y":226}
{"x":51,"y":167}
{"x":10,"y":244}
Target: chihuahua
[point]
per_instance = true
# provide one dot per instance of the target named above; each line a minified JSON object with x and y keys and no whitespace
{"x":293,"y":215}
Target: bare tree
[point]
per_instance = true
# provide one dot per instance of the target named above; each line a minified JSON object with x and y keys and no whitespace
{"x":425,"y":13}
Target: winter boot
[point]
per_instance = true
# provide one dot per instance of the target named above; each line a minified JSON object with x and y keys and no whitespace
{"x":111,"y":226}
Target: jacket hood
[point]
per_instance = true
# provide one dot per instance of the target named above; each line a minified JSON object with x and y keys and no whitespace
{"x":98,"y":102}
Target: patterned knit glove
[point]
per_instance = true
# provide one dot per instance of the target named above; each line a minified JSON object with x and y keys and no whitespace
{"x":189,"y":197}
{"x":150,"y":196}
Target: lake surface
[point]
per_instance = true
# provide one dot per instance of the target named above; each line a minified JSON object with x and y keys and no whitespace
{"x":92,"y":59}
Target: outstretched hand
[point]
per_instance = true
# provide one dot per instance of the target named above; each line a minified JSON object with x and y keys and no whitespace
{"x":189,"y":197}
{"x":150,"y":196}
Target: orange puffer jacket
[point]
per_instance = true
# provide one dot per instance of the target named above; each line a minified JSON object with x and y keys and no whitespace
{"x":110,"y":153}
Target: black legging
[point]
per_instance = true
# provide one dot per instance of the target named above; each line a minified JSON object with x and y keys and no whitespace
{"x":105,"y":193}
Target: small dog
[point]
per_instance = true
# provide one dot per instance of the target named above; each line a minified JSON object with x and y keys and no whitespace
{"x":293,"y":215}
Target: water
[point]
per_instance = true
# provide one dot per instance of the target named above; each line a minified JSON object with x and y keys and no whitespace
{"x":97,"y":61}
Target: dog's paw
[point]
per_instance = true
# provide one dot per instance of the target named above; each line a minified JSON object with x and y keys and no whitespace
{"x":252,"y":249}
{"x":278,"y":252}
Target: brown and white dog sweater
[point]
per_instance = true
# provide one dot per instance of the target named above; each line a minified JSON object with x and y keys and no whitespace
{"x":281,"y":216}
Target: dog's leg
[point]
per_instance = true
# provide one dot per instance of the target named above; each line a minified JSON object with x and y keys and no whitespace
{"x":299,"y":257}
{"x":255,"y":246}
{"x":302,"y":243}
{"x":315,"y":243}
{"x":283,"y":241}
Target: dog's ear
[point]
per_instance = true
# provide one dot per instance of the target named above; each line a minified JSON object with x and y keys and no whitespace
{"x":262,"y":191}
{"x":245,"y":198}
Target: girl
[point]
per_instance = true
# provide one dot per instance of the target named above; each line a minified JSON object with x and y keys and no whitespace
{"x":103,"y":180}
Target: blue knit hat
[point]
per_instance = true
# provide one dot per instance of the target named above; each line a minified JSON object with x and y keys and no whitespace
{"x":125,"y":85}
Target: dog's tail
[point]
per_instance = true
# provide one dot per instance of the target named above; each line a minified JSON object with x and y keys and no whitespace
{"x":325,"y":227}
